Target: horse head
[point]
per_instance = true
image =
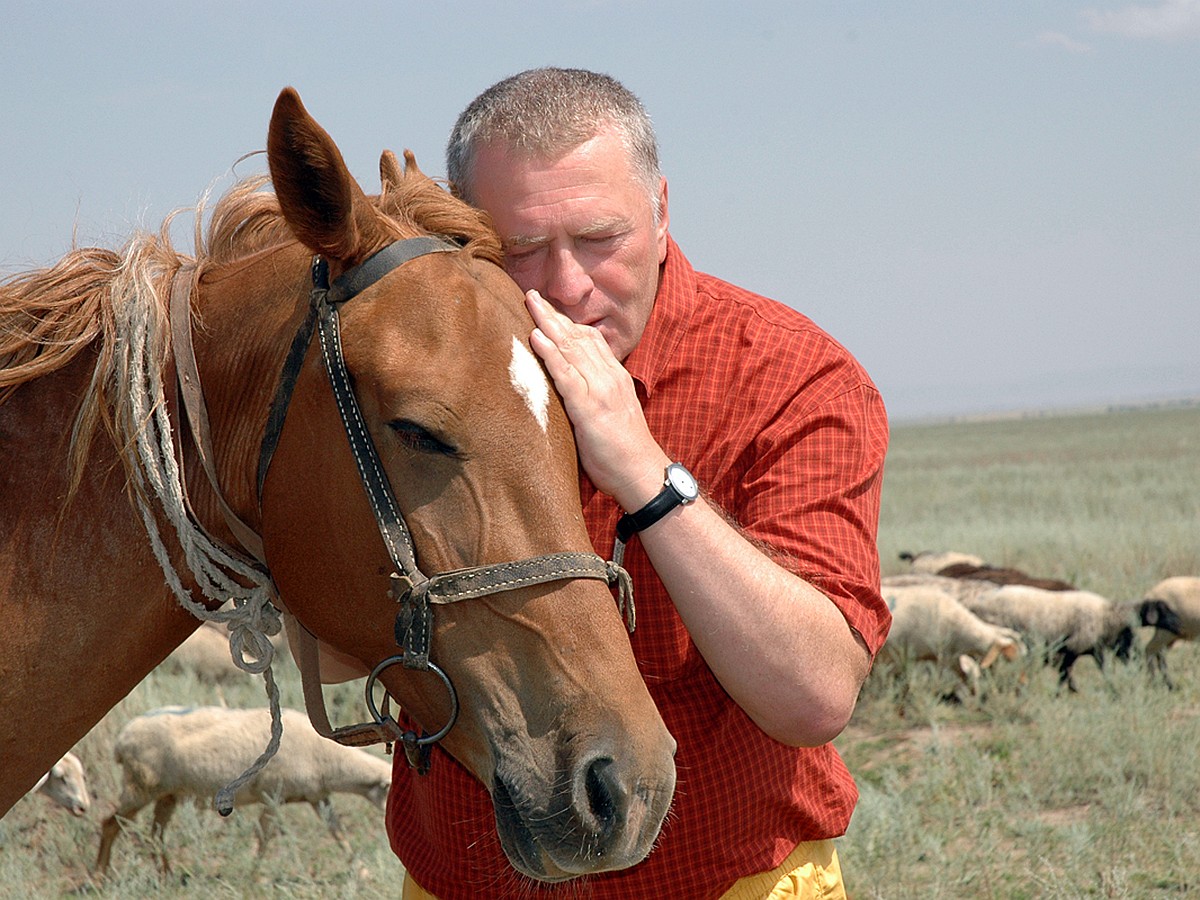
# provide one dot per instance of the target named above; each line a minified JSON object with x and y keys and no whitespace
{"x":555,"y":720}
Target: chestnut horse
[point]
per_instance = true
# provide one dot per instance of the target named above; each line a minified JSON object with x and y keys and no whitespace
{"x":465,"y":429}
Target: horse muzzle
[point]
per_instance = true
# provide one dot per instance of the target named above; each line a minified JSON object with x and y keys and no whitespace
{"x":601,"y":813}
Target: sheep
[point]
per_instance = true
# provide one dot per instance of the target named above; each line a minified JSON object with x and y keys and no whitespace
{"x":959,"y":588}
{"x":175,"y":752}
{"x":1002,"y":575}
{"x":1173,"y":607}
{"x":206,"y":652}
{"x":953,"y":564}
{"x":932,"y":561}
{"x":1071,"y":623}
{"x":930,"y":624}
{"x":65,"y":785}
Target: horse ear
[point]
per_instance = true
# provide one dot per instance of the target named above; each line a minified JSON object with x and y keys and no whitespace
{"x":390,"y":173}
{"x":326,"y":209}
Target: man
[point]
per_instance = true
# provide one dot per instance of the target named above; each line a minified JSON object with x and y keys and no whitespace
{"x":758,"y":601}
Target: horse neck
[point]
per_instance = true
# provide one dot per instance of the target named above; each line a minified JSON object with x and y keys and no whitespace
{"x":82,"y":599}
{"x":245,"y":317}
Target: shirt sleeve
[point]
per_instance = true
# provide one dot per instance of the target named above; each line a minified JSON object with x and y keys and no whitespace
{"x":811,"y":491}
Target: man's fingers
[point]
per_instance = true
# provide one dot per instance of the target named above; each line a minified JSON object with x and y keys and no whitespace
{"x":549,"y":352}
{"x":544,"y":315}
{"x":579,"y":342}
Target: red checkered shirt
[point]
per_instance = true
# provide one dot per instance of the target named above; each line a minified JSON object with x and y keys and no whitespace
{"x":786,"y":432}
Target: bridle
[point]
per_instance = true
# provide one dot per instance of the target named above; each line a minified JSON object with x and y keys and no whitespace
{"x":412,"y":589}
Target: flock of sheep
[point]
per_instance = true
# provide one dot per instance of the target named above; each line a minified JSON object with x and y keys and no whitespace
{"x":953,"y":609}
{"x":178,"y":753}
{"x":950,"y":608}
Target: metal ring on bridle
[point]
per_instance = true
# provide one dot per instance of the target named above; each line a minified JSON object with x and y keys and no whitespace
{"x":380,"y":719}
{"x":412,"y":590}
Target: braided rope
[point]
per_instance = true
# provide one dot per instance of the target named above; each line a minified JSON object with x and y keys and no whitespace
{"x":250,"y":616}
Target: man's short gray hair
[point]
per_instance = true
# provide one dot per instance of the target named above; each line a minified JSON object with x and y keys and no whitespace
{"x":547,"y":112}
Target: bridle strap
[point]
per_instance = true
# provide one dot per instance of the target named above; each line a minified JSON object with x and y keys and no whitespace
{"x":308,"y":661}
{"x":345,"y":286}
{"x":366,"y":458}
{"x":411,"y":588}
{"x":192,"y":396}
{"x":479,"y":581}
{"x":283,"y":397}
{"x":357,"y":279}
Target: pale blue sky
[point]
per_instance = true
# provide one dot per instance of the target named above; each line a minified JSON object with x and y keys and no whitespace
{"x":993,"y":205}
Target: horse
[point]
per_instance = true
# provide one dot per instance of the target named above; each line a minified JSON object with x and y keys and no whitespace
{"x":152,"y":403}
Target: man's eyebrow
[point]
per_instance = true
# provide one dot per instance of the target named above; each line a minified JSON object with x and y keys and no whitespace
{"x":606,"y":226}
{"x":525,"y":240}
{"x":611,"y":225}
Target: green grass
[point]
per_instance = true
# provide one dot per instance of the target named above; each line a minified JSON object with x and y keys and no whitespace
{"x":1024,"y":791}
{"x":45,"y":852}
{"x":1020,"y":792}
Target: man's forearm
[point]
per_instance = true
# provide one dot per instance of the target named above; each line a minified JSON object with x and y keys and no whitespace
{"x":779,"y":646}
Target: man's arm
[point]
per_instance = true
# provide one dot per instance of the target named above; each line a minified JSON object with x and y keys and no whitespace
{"x":778,"y":645}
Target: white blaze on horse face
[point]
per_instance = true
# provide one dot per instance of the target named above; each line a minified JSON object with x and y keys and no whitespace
{"x":530,"y":381}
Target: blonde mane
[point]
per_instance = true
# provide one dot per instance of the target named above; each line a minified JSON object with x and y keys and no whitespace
{"x":114,"y":306}
{"x":50,"y":316}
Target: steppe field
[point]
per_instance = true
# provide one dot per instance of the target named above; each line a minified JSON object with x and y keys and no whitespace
{"x":1024,"y":791}
{"x":1018,"y":791}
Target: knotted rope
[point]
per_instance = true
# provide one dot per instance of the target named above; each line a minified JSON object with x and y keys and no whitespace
{"x":142,"y":349}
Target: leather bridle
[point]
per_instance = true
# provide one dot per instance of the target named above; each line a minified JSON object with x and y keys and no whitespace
{"x":412,"y":589}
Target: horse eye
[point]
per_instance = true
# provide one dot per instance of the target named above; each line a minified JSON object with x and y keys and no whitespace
{"x":419,"y":439}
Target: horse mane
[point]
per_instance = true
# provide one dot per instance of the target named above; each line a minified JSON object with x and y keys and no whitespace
{"x":50,"y":316}
{"x":424,"y":203}
{"x":90,"y":297}
{"x":247,"y":219}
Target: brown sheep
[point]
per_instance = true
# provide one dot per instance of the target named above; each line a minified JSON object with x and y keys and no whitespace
{"x":1002,"y":575}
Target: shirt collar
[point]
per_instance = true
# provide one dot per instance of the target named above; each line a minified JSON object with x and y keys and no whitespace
{"x":674,"y":305}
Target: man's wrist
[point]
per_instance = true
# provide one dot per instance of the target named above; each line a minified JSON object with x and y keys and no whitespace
{"x":678,"y":489}
{"x":637,"y":492}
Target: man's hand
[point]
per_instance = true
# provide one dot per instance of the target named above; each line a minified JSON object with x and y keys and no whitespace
{"x":615,"y":446}
{"x":739,"y":605}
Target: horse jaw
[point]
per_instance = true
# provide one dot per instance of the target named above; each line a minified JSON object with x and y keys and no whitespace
{"x":577,"y":786}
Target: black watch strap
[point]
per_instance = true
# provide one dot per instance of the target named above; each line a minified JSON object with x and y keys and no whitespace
{"x":665,"y":501}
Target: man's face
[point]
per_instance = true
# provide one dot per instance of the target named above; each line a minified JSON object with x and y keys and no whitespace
{"x":580,"y":230}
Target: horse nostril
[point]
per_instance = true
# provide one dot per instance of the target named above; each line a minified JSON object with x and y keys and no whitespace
{"x":605,"y":794}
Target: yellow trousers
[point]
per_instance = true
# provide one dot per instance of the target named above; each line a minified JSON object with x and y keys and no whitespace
{"x":811,"y":872}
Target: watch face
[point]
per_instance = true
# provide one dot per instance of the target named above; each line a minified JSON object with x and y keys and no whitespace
{"x":681,"y":479}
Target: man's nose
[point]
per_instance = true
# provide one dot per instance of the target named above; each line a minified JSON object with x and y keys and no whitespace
{"x":567,"y":281}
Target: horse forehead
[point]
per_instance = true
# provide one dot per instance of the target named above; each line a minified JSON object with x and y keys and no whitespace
{"x":471,"y":299}
{"x":529,"y":380}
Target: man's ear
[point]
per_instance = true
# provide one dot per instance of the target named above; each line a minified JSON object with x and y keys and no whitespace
{"x":664,"y":220}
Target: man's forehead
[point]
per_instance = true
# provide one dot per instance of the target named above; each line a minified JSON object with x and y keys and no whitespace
{"x":604,"y":148}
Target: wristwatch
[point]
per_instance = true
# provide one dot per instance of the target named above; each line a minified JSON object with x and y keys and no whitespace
{"x":679,"y":489}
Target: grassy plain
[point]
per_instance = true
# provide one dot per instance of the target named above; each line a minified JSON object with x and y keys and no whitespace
{"x":1021,"y":792}
{"x":1024,"y":791}
{"x":44,"y":852}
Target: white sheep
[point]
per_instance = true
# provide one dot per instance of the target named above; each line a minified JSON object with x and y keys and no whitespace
{"x":960,"y":588}
{"x":175,"y":752}
{"x":1070,"y":623}
{"x":1173,"y":607}
{"x":933,"y":561}
{"x":65,"y":785}
{"x":929,"y":623}
{"x":206,"y":652}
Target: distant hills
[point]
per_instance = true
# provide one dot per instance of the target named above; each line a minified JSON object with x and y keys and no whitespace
{"x":1045,"y":393}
